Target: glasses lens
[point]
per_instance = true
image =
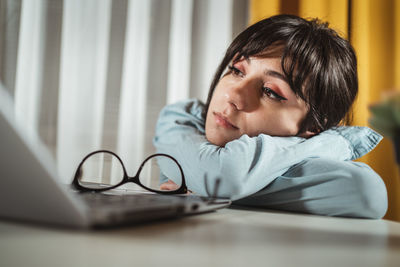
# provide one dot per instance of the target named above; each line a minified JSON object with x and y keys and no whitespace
{"x":151,"y":176}
{"x":101,"y":170}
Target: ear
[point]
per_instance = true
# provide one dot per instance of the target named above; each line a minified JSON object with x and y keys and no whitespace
{"x":307,"y":134}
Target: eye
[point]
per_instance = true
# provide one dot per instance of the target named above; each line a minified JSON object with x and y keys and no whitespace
{"x":235,"y":71}
{"x":272,"y":94}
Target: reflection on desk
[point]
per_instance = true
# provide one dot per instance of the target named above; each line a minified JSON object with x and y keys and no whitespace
{"x":228,"y":237}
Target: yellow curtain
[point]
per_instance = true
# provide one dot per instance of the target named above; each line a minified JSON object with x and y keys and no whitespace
{"x":375,"y":34}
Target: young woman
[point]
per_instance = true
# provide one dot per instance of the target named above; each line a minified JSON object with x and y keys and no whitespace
{"x":270,"y":128}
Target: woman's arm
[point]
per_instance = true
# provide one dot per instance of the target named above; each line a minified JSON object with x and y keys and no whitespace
{"x":248,"y":164}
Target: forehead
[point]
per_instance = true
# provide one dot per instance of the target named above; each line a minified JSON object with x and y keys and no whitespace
{"x":273,"y":50}
{"x":271,"y":56}
{"x":269,"y":66}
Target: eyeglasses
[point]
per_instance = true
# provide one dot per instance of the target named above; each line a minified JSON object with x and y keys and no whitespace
{"x":103,"y":170}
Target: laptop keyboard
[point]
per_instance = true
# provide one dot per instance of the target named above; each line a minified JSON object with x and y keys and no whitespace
{"x":114,"y":209}
{"x":131,"y":200}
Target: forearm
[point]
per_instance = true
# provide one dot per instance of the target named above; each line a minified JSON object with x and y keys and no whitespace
{"x":325,"y":187}
{"x":244,"y":166}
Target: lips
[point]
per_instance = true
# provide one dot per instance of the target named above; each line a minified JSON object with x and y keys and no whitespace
{"x":223,"y":121}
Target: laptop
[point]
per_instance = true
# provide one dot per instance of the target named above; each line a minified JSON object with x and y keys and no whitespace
{"x":31,"y":190}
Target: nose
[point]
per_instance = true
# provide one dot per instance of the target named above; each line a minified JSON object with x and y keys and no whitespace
{"x":243,"y":95}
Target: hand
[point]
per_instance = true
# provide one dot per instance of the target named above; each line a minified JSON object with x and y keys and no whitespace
{"x":169,"y":186}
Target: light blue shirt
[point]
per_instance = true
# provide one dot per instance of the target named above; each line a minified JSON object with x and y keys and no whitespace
{"x":248,"y":164}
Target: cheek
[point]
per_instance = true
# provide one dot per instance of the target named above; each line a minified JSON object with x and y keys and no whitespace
{"x":218,"y":94}
{"x":223,"y":87}
{"x":214,"y":137}
{"x":291,"y":122}
{"x":218,"y":137}
{"x":273,"y":123}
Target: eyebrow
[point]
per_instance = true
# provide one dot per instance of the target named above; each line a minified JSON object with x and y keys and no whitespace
{"x":272,"y":73}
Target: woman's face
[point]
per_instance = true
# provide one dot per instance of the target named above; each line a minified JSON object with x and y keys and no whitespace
{"x":253,"y":98}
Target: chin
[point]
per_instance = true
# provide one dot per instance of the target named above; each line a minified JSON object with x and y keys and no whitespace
{"x":217,"y":139}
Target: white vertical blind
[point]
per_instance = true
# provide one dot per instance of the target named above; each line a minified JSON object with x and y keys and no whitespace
{"x":84,"y":57}
{"x":30,"y":64}
{"x":131,"y":132}
{"x":10,"y":17}
{"x":179,"y":50}
{"x":118,"y":64}
{"x":216,"y":34}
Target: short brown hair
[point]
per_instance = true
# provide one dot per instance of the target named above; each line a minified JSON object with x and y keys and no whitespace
{"x":320,"y":66}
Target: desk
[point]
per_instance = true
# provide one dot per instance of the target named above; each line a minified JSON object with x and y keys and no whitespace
{"x":228,"y":237}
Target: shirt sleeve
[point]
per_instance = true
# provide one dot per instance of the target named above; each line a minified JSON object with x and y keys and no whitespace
{"x":248,"y":164}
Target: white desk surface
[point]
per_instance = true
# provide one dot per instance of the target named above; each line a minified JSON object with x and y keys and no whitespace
{"x":228,"y":237}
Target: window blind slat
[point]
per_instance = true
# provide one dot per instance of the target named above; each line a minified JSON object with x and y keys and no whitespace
{"x":83,"y":68}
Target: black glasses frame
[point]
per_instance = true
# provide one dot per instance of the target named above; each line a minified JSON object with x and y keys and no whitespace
{"x":126,"y":179}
